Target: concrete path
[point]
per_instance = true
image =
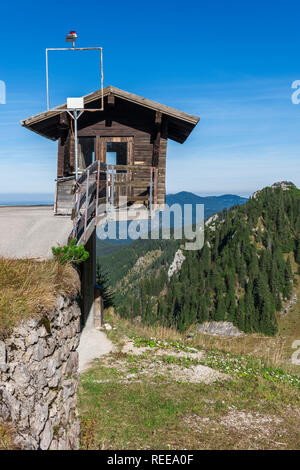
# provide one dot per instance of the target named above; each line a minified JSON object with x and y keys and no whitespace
{"x":93,"y":344}
{"x":30,"y":232}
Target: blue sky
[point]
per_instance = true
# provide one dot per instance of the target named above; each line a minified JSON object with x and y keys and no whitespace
{"x":230,"y":62}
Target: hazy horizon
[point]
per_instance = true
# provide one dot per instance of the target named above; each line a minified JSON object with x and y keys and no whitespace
{"x":19,"y":197}
{"x":237,"y":80}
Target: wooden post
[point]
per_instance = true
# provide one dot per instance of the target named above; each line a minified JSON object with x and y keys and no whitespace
{"x":156,"y":142}
{"x":110,"y":106}
{"x":88,"y":282}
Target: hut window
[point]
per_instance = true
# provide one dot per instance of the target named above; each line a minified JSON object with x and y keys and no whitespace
{"x":86,"y":151}
{"x":116,"y":153}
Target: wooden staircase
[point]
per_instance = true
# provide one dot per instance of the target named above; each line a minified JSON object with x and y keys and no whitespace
{"x":104,"y":192}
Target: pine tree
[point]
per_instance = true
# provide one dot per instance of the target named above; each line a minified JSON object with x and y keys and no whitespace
{"x":297,"y":250}
{"x":220,"y":307}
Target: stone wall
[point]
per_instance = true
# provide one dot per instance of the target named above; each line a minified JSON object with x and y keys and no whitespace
{"x":39,"y":379}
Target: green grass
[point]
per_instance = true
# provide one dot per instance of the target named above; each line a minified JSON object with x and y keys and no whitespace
{"x":249,"y":367}
{"x":127,"y":401}
{"x":151,"y":415}
{"x":240,"y":365}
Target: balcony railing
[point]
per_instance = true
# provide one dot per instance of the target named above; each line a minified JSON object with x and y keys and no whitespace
{"x":102,"y":188}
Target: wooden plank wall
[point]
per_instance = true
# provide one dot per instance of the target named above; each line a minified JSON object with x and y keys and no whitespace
{"x":143,"y":142}
{"x":66,"y":156}
{"x":64,"y":198}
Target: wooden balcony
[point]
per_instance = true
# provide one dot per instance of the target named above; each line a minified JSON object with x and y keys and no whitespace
{"x":103,"y":191}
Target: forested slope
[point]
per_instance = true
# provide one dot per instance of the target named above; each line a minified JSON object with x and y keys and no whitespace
{"x":243,"y":274}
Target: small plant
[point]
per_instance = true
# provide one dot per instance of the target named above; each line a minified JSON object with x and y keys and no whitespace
{"x":70,"y":253}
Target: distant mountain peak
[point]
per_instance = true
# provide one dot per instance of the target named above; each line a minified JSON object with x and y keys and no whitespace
{"x":284,"y":185}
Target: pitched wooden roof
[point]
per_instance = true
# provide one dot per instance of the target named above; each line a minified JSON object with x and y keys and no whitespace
{"x":180,"y":124}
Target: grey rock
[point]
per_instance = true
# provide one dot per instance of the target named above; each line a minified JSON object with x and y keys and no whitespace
{"x":22,"y":330}
{"x":39,"y":379}
{"x":68,"y":389}
{"x":60,"y":302}
{"x":32,"y":338}
{"x":32,"y":323}
{"x":223,"y":328}
{"x":12,"y":404}
{"x":21,"y":376}
{"x":54,"y":381}
{"x":50,"y":346}
{"x":62,"y":444}
{"x":39,"y":418}
{"x":16,"y":343}
{"x":51,"y":367}
{"x":76,"y":310}
{"x":71,"y":365}
{"x":39,"y":350}
{"x":27,"y":355}
{"x":42,"y":332}
{"x":53,"y":445}
{"x":46,"y":436}
{"x":29,"y":391}
{"x":3,"y":365}
{"x":26,"y":442}
{"x":289,"y":305}
{"x":49,"y":395}
{"x":59,"y":321}
{"x":58,"y":355}
{"x":4,"y":412}
{"x":176,"y":264}
{"x":25,"y":413}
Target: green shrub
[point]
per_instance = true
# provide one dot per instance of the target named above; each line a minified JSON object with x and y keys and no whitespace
{"x":70,"y":253}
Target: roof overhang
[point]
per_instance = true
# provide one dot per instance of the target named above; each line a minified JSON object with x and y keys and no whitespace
{"x":47,"y":123}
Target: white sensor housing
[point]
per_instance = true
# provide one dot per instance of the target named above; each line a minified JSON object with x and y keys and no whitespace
{"x":75,"y":103}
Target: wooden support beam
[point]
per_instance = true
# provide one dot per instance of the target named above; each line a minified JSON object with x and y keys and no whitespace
{"x":164,"y":128}
{"x":64,"y":120}
{"x":110,"y":106}
{"x":158,"y":118}
{"x":157,"y":136}
{"x":111,"y":100}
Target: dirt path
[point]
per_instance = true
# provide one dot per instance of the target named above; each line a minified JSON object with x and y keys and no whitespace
{"x":93,"y":344}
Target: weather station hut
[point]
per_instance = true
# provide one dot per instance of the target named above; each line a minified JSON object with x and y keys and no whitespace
{"x":110,"y":143}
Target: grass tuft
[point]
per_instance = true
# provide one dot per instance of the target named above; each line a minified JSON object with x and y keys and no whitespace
{"x":28,"y":287}
{"x":7,"y":438}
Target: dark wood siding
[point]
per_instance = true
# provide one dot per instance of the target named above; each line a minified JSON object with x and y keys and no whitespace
{"x":143,"y":142}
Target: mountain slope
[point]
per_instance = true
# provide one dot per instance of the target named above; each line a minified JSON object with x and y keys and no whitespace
{"x":243,"y":273}
{"x":212,"y":204}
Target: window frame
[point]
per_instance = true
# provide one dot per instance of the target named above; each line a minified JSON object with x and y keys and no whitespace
{"x":80,"y":169}
{"x":102,"y":141}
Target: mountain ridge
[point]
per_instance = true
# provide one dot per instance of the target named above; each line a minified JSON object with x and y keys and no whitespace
{"x":212,"y":204}
{"x":242,"y":274}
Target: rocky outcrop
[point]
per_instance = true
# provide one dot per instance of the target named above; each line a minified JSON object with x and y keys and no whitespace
{"x":287,"y":307}
{"x":220,"y":328}
{"x":176,"y":263}
{"x":39,"y":379}
{"x":284,"y":185}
